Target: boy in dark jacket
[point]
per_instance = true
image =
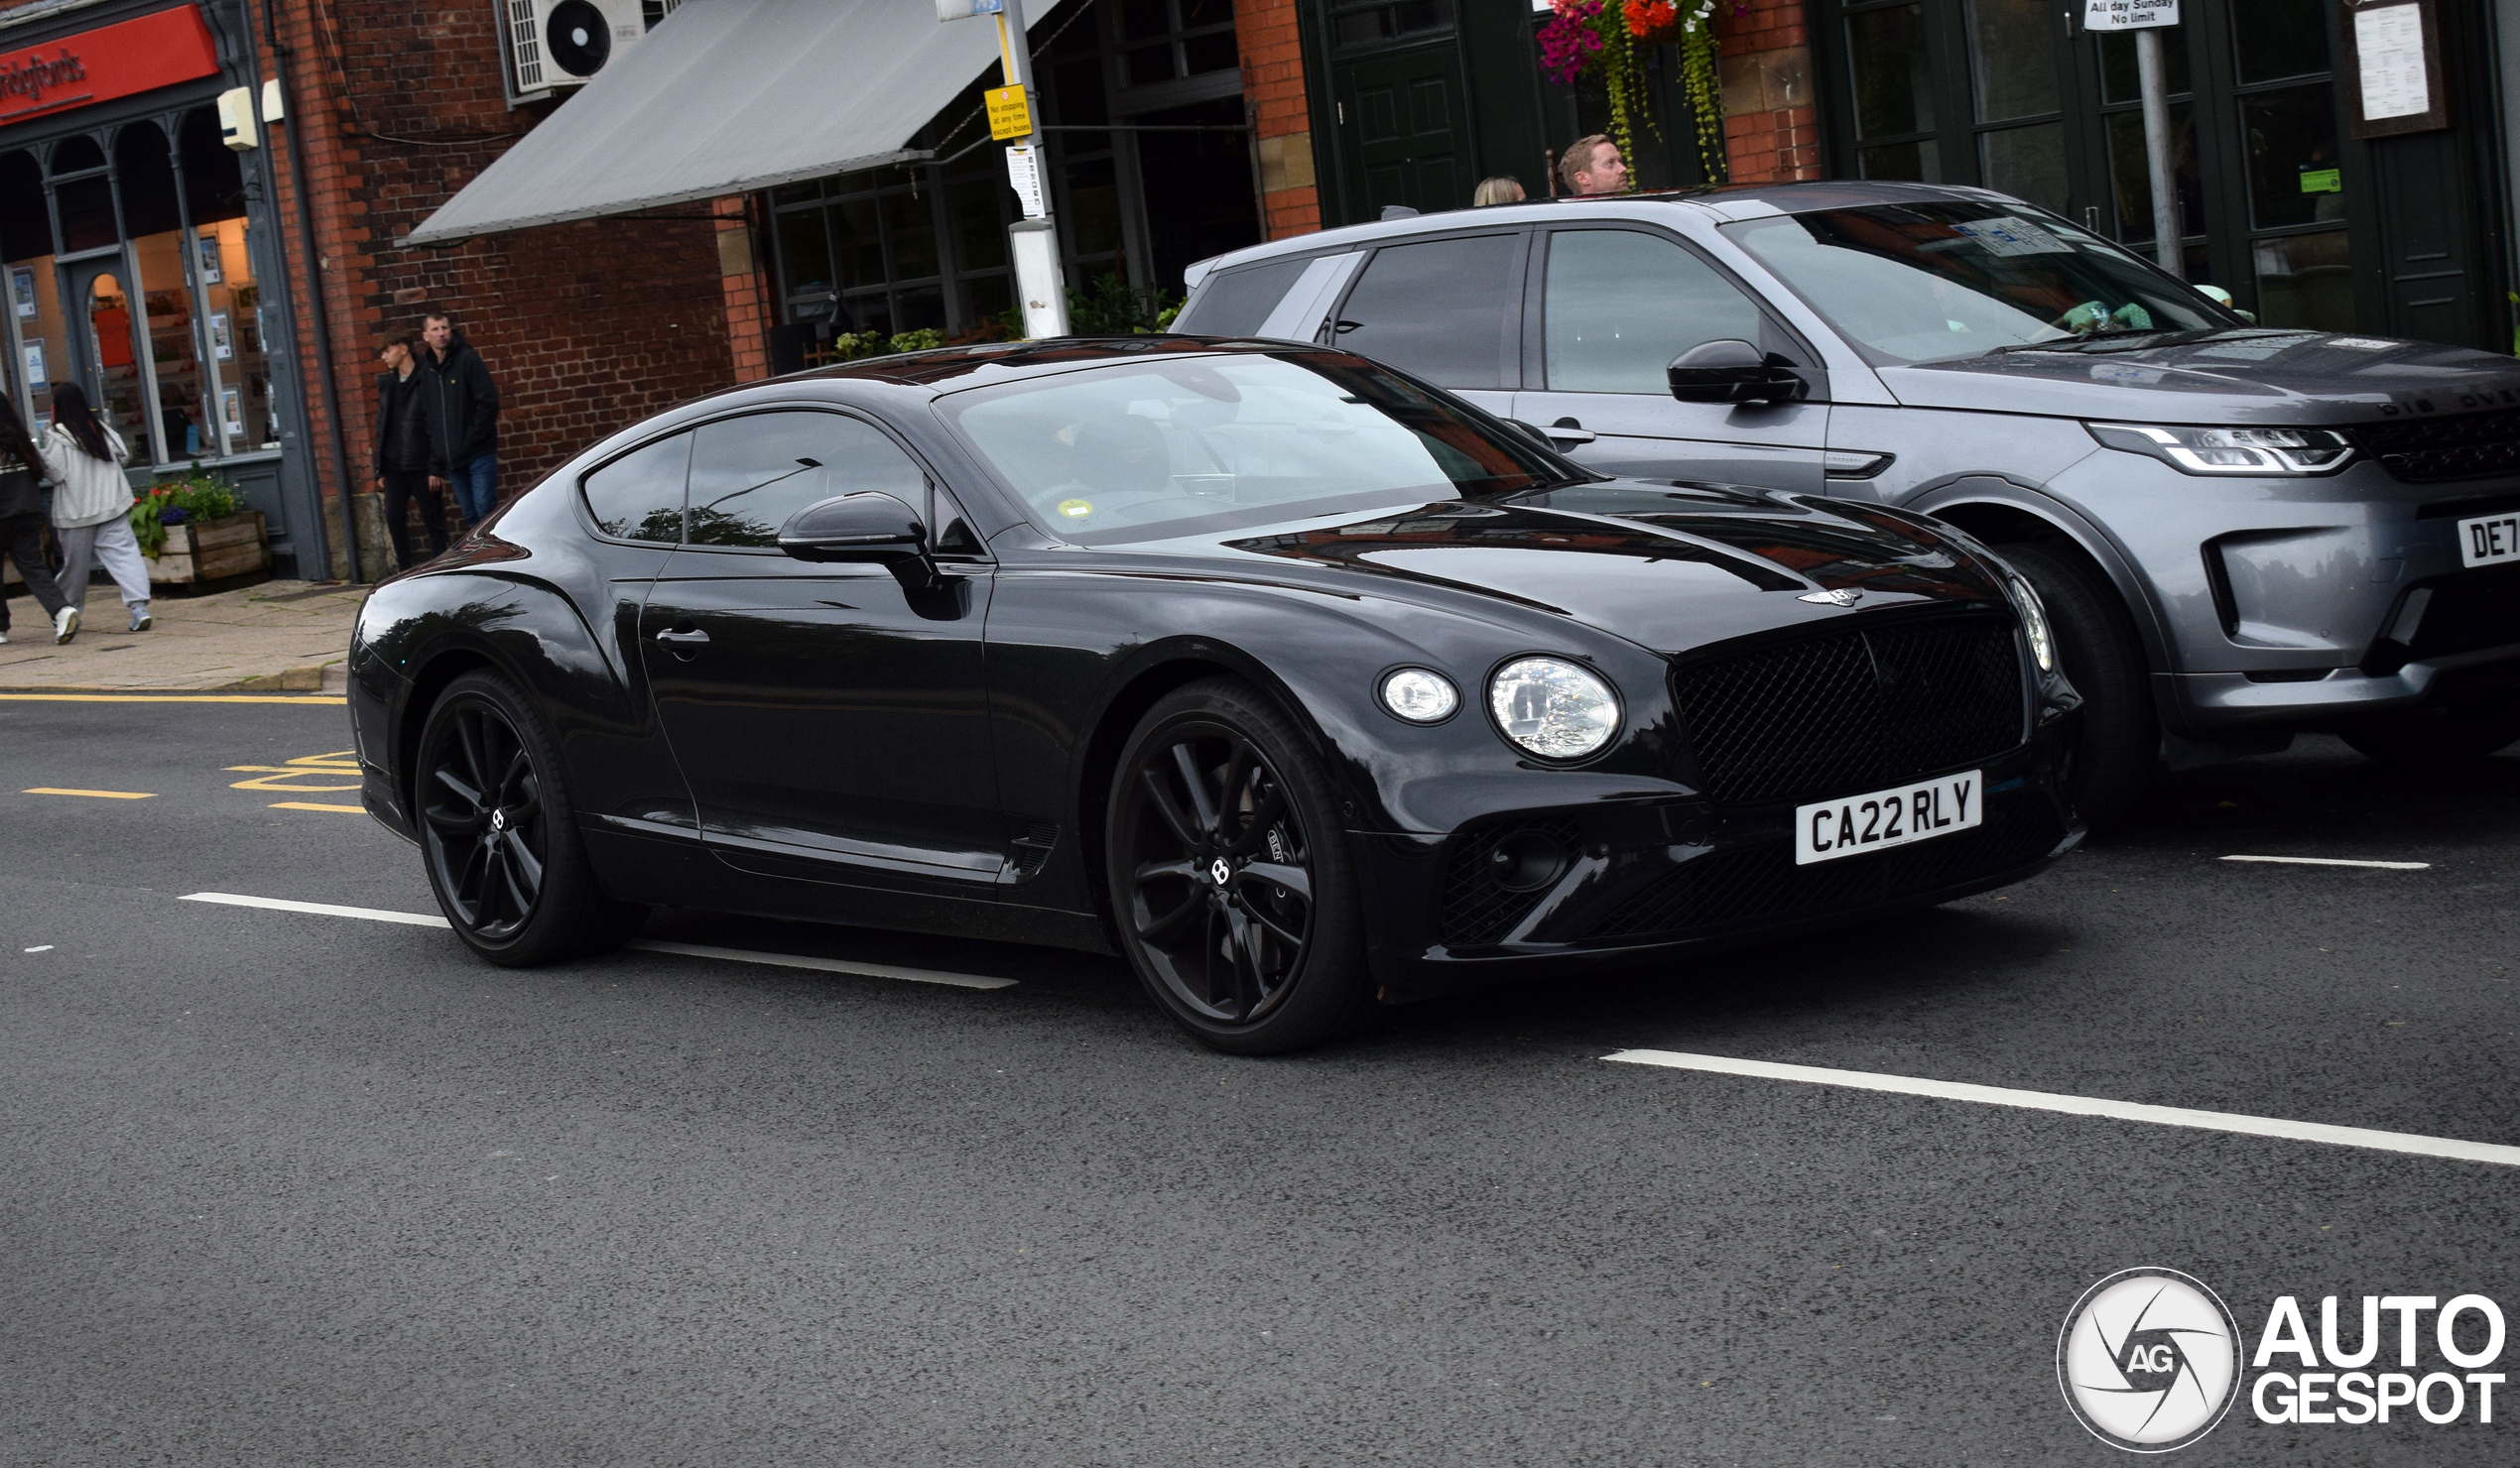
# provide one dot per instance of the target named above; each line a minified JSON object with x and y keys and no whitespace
{"x":463,"y":418}
{"x":402,"y":449}
{"x":23,"y":516}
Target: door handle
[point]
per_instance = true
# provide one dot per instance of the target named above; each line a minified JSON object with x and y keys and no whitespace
{"x":1568,"y":430}
{"x":682,"y":643}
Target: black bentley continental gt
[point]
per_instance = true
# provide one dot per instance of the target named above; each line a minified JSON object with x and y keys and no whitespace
{"x":1305,"y":686}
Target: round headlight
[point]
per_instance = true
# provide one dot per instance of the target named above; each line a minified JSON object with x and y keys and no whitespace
{"x":2034,"y":624}
{"x":1553,"y":708}
{"x":1419,"y":696}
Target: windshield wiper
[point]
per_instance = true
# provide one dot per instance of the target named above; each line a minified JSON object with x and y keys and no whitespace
{"x":2077,"y":344}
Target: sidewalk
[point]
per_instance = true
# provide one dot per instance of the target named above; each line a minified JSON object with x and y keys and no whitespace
{"x":280,"y":635}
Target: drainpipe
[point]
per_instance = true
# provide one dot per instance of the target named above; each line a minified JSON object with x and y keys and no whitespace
{"x":315,"y":270}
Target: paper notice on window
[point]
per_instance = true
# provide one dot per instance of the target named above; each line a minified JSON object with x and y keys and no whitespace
{"x":1023,"y":172}
{"x":2006,"y":235}
{"x":35,"y":376}
{"x":2389,"y":41}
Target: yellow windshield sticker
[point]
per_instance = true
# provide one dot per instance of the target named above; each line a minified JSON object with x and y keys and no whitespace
{"x":1075,"y":509}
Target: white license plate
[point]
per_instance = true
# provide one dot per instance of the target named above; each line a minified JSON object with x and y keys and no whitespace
{"x":1854,"y":824}
{"x":2489,"y":539}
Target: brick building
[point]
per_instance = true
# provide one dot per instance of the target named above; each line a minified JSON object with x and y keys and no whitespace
{"x":138,"y":230}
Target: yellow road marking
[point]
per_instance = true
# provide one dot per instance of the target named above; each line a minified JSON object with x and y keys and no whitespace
{"x":335,"y":702}
{"x":45,"y":789}
{"x":311,"y":806}
{"x":288,"y":779}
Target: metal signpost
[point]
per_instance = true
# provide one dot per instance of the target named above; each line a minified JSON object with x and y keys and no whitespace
{"x":2147,"y":17}
{"x":1041,"y":285}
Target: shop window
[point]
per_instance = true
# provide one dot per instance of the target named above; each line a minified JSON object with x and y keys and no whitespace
{"x":2026,"y":163}
{"x":87,"y":209}
{"x":76,"y":154}
{"x":2119,"y":81}
{"x":2306,"y":280}
{"x":2291,"y":141}
{"x":2278,"y":39}
{"x":1166,"y":38}
{"x":1621,"y":305}
{"x":2014,"y":55}
{"x":1376,"y":25}
{"x":213,"y":173}
{"x":1894,"y":92}
{"x":2131,"y":178}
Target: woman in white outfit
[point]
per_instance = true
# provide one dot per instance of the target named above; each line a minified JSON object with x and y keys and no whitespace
{"x":91,"y":503}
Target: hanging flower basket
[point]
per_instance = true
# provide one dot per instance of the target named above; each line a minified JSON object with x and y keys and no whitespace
{"x":1606,"y":39}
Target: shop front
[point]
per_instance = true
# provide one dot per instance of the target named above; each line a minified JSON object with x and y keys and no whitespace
{"x":138,"y":247}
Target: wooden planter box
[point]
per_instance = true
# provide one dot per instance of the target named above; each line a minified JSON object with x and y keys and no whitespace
{"x":213,"y":549}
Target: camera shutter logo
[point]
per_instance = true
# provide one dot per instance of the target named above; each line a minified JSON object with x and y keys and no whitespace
{"x":2149,"y":1360}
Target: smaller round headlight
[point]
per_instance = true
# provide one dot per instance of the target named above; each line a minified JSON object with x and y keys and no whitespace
{"x":1553,"y":708}
{"x":2033,"y":625}
{"x":1419,"y":696}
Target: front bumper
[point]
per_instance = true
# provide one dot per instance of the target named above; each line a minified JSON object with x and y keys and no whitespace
{"x":1657,"y":880}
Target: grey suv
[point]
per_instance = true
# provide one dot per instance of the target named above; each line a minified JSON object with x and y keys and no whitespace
{"x":2242,"y":532}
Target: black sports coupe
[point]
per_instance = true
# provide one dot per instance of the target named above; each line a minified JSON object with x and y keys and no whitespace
{"x":1306,"y":685}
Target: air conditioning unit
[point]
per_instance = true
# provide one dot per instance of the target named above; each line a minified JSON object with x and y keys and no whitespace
{"x":555,"y":44}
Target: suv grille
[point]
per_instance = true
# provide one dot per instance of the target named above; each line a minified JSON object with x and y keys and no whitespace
{"x":2426,"y":450}
{"x":1854,"y":710}
{"x":1761,"y":882}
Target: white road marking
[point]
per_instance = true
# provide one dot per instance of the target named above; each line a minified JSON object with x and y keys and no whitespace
{"x":829,"y":965}
{"x":2339,"y":861}
{"x":321,"y":910}
{"x":2128,"y":1111}
{"x":652,"y":946}
{"x":41,"y":948}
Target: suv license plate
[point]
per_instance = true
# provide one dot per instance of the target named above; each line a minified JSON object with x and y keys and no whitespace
{"x":1854,"y":824}
{"x":2489,"y":540}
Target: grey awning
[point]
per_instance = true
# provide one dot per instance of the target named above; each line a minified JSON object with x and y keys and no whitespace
{"x":726,"y":96}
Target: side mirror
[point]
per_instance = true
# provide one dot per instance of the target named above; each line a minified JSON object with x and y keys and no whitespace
{"x":868,"y":527}
{"x":1731,"y":371}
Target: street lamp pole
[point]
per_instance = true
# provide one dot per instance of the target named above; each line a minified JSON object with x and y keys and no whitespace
{"x":1041,"y":286}
{"x":2170,"y":226}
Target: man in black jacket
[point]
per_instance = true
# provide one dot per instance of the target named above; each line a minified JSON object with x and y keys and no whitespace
{"x":463,"y":418}
{"x":402,"y":449}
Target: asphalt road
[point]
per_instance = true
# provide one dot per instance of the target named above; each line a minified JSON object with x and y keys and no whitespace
{"x":280,"y":1189}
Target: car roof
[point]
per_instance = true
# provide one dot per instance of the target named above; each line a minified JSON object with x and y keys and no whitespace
{"x":946,"y":369}
{"x":1723,"y":204}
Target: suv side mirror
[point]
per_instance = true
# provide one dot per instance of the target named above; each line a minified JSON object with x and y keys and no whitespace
{"x":1732,"y":371}
{"x":865,"y":527}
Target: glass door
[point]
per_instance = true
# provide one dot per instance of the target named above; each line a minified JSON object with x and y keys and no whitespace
{"x":109,"y":365}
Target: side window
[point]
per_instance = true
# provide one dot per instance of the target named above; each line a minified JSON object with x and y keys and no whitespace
{"x":1235,"y":303}
{"x":1444,"y":310}
{"x":750,"y":473}
{"x":639,"y":496}
{"x":1620,"y":305}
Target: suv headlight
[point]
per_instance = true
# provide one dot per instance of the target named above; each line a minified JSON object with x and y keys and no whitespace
{"x":2034,"y":623}
{"x":1551,"y":707}
{"x":2233,"y":450}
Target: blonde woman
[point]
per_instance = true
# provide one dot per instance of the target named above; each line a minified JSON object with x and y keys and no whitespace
{"x":1504,"y":189}
{"x":91,"y":503}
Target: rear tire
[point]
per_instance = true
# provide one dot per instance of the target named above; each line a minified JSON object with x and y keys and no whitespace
{"x":2118,"y":742}
{"x":498,"y":833}
{"x":1270,"y":959}
{"x":2446,"y":734}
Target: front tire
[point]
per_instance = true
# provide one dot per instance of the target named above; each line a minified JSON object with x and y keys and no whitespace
{"x":1232,"y":888}
{"x":2117,"y":743}
{"x":2445,"y":734}
{"x":498,"y":833}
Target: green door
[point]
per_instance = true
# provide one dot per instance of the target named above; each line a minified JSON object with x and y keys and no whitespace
{"x":1403,"y":138}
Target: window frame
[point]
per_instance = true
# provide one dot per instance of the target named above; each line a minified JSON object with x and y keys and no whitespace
{"x":1512,"y":355}
{"x":1777,"y":335}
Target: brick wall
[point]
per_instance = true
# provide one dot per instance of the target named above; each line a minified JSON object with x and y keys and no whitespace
{"x":1764,"y":56}
{"x":584,"y":328}
{"x":1273,"y":90}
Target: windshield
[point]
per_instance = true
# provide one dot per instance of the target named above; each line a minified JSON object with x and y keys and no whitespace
{"x":1933,"y":282}
{"x":1187,"y":444}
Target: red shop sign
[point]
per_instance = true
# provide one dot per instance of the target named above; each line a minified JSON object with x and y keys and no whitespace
{"x":117,"y":61}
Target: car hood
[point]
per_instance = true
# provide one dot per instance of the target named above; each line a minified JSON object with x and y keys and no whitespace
{"x":1666,"y":565}
{"x":2238,"y":376}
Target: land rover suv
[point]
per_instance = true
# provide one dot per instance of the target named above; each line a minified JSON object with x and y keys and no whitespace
{"x":2242,"y":531}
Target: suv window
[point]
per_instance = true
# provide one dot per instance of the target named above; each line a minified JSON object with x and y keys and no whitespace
{"x":1621,"y":304}
{"x":1444,"y":310}
{"x":750,"y":473}
{"x":1237,"y":303}
{"x":639,"y":496}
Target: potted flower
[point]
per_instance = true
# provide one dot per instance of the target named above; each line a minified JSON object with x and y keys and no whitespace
{"x":193,"y":528}
{"x":1605,"y":39}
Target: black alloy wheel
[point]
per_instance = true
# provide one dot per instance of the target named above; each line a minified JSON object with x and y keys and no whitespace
{"x":498,"y":833}
{"x":1228,"y":877}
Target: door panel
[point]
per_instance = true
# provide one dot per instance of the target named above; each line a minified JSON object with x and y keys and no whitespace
{"x":1616,"y":307}
{"x":1404,"y":139}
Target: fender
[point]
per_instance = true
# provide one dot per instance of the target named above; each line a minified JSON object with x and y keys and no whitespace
{"x":1961,"y":491}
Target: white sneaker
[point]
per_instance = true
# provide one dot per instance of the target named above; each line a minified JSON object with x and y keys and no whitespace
{"x":140,"y":618}
{"x":4,"y":638}
{"x":65,"y":625}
